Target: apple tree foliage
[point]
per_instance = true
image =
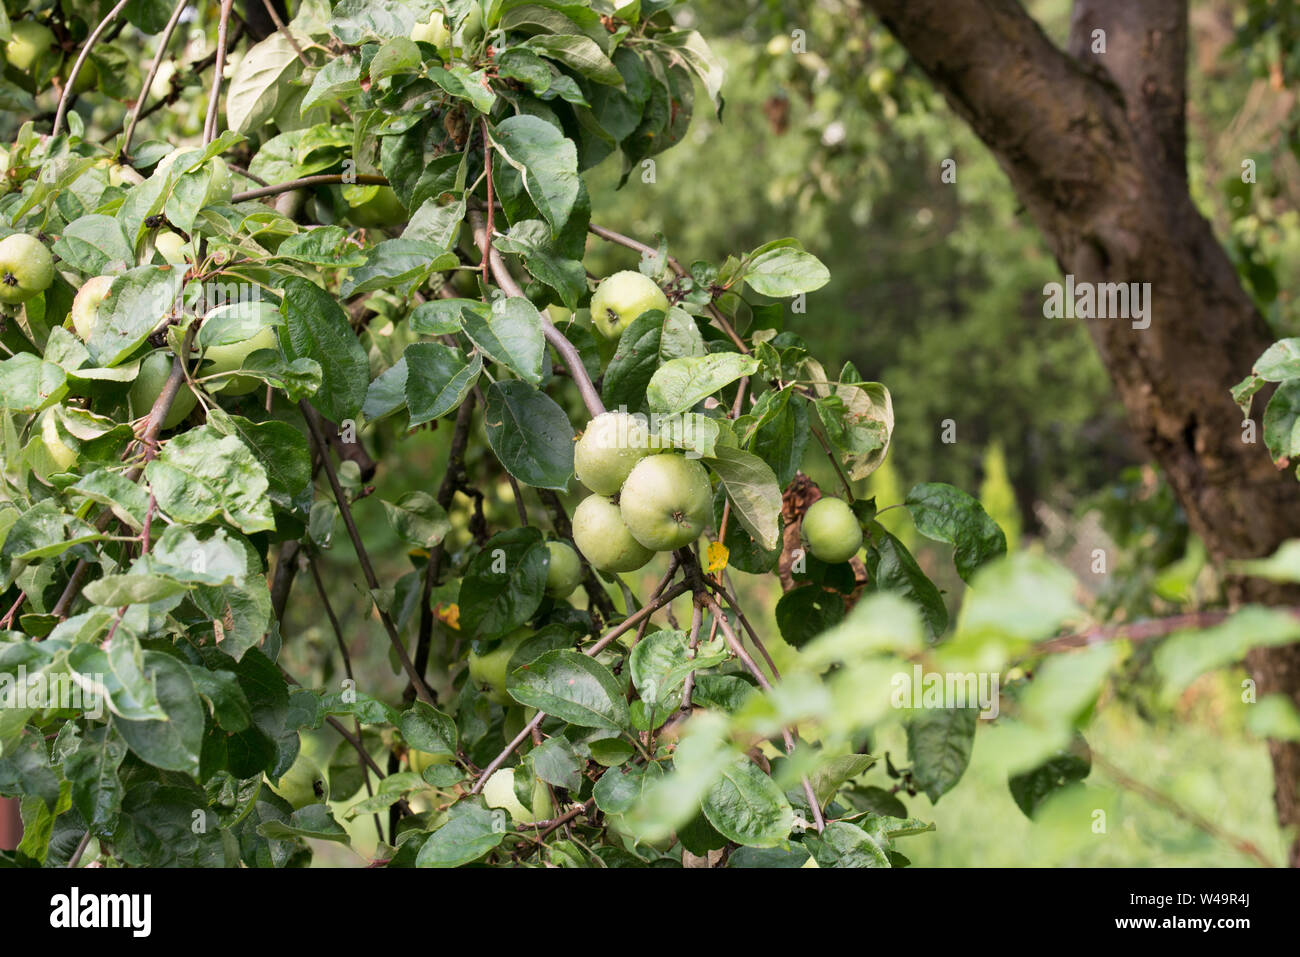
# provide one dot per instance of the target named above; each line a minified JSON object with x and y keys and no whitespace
{"x":146,"y":566}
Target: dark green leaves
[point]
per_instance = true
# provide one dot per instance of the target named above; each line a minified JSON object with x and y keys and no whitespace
{"x":504,"y":583}
{"x":754,"y":493}
{"x":510,"y":333}
{"x":437,"y":380}
{"x":470,"y":832}
{"x":173,"y":743}
{"x":428,"y":729}
{"x":939,"y":742}
{"x":805,"y":612}
{"x":530,"y":434}
{"x":891,"y":567}
{"x":318,"y":329}
{"x":572,"y":687}
{"x":747,"y":807}
{"x":947,"y":514}
{"x":547,"y":161}
{"x":418,"y":519}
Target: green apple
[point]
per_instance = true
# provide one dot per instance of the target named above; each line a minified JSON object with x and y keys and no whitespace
{"x":622,"y":297}
{"x":63,"y":455}
{"x":302,"y":784}
{"x":230,"y":358}
{"x":419,"y":760}
{"x":155,"y":370}
{"x":172,"y":246}
{"x":666,"y":501}
{"x":26,"y":268}
{"x":433,"y":31}
{"x":832,"y":530}
{"x":609,"y":448}
{"x":28,"y":44}
{"x":118,"y":175}
{"x":382,"y":211}
{"x":564,"y":572}
{"x":601,"y":536}
{"x":87,"y":79}
{"x":499,"y":792}
{"x":86,"y":302}
{"x":488,"y":671}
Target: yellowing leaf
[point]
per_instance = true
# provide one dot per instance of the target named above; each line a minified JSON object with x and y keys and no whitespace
{"x":716,"y":557}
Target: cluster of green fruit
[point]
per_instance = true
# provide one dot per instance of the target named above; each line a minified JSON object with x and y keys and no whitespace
{"x":31,"y":56}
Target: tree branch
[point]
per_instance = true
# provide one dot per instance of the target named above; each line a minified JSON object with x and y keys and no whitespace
{"x":66,"y":97}
{"x":363,"y":557}
{"x":124,"y":151}
{"x":322,"y":179}
{"x":214,"y":102}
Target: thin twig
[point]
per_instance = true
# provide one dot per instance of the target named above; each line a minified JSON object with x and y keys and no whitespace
{"x":1187,"y":814}
{"x":66,"y":97}
{"x":214,"y":102}
{"x":321,"y":179}
{"x":557,"y":339}
{"x":280,"y":25}
{"x":163,"y":41}
{"x":486,"y":247}
{"x":363,"y":557}
{"x":75,"y":859}
{"x":697,"y":617}
{"x":627,"y":623}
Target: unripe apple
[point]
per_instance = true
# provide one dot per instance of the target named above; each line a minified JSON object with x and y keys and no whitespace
{"x":84,"y":305}
{"x":419,"y":760}
{"x":302,"y":784}
{"x":666,"y":501}
{"x":118,"y":174}
{"x":601,"y":536}
{"x":499,"y":792}
{"x":26,"y":268}
{"x":488,"y":671}
{"x":63,"y":455}
{"x":230,"y":358}
{"x":155,"y":370}
{"x":564,"y":572}
{"x":832,"y":530}
{"x":87,"y":78}
{"x":433,"y":31}
{"x":171,"y":246}
{"x":622,"y":297}
{"x":382,"y":211}
{"x":28,"y":44}
{"x":610,"y":447}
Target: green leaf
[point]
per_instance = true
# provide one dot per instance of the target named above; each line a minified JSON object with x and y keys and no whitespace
{"x":680,"y":383}
{"x":318,"y":329}
{"x":939,"y":742}
{"x":137,"y":303}
{"x":835,"y":772}
{"x":891,"y":568}
{"x":437,"y":380}
{"x":398,"y":264}
{"x":786,"y":271}
{"x":30,"y":384}
{"x":97,"y":788}
{"x":547,"y":161}
{"x":530,"y":434}
{"x":1186,"y":655}
{"x":172,"y":744}
{"x":1281,"y":361}
{"x":634,"y":362}
{"x":313,"y":821}
{"x":753,"y":490}
{"x":556,"y":762}
{"x":93,"y":243}
{"x":202,"y":474}
{"x":805,"y":612}
{"x":1031,"y":788}
{"x":580,"y":54}
{"x":846,"y":845}
{"x":620,"y":789}
{"x":418,"y":519}
{"x":130,"y":589}
{"x":470,"y":832}
{"x":572,"y":687}
{"x":1282,"y":421}
{"x":117,"y":677}
{"x":504,"y":583}
{"x":260,"y":83}
{"x":427,"y":729}
{"x":947,"y":514}
{"x":511,"y":334}
{"x":747,"y":807}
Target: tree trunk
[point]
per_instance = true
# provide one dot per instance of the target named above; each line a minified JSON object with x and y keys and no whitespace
{"x":1094,"y":145}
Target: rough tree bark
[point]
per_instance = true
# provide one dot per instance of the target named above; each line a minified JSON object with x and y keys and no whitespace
{"x":1095,"y":146}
